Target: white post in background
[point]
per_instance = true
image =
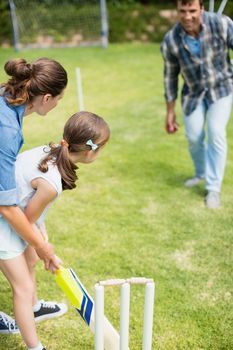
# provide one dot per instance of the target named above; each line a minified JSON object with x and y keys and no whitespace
{"x":14,"y":24}
{"x":222,"y":7}
{"x":79,"y":89}
{"x":124,"y":316}
{"x":99,"y":317}
{"x":148,"y":316}
{"x":211,"y":7}
{"x":104,"y":23}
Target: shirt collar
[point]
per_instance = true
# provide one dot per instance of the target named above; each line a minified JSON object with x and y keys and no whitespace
{"x":20,"y":113}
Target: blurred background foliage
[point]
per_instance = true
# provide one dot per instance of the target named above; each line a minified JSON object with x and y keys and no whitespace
{"x":129,"y":20}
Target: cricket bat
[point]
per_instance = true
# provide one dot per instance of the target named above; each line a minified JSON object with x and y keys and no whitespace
{"x":84,"y":304}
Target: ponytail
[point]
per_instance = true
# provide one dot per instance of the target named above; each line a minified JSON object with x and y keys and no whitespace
{"x":59,"y":156}
{"x":28,"y":80}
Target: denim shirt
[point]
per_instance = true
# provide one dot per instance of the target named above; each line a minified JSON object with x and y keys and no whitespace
{"x":11,"y":140}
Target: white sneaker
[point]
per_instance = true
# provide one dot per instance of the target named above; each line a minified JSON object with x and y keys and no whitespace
{"x":194,"y":181}
{"x":49,"y":309}
{"x":8,"y":324}
{"x":212,"y":200}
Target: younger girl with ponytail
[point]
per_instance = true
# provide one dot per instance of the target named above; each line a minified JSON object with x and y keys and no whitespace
{"x":42,"y":174}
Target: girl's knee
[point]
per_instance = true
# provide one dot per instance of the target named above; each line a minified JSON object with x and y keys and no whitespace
{"x":25,"y":290}
{"x":32,"y":262}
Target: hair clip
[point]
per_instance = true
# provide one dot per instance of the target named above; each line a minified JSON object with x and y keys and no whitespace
{"x":94,"y":146}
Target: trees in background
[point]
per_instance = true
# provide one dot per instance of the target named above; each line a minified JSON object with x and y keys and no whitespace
{"x":5,"y":21}
{"x":129,"y":20}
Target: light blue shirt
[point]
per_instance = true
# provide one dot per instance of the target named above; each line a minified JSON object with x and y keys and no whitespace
{"x":194,"y":45}
{"x":11,"y":140}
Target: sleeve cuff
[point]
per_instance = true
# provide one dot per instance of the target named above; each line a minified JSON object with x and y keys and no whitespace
{"x":9,"y":197}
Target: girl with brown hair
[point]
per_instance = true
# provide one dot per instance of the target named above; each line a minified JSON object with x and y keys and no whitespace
{"x":42,"y":174}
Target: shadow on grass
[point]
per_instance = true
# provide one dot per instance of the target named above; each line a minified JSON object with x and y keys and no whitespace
{"x":174,"y":178}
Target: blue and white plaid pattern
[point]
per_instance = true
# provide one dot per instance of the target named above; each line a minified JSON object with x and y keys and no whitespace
{"x":209,"y":76}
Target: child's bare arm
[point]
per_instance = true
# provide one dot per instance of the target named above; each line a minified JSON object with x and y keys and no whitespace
{"x":44,"y":195}
{"x":42,"y":230}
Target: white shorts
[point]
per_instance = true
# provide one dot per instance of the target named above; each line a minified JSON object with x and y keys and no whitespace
{"x":11,"y":244}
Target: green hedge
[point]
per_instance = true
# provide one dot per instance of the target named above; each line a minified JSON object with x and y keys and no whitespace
{"x":5,"y":21}
{"x":129,"y":20}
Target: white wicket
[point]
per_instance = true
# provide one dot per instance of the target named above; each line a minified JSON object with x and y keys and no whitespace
{"x":124,"y":316}
{"x":148,"y":316}
{"x":124,"y":285}
{"x":99,"y":317}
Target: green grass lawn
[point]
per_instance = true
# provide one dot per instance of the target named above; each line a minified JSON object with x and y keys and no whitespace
{"x":130,"y":214}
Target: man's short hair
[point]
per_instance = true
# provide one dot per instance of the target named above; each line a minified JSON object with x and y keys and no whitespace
{"x":185,"y":2}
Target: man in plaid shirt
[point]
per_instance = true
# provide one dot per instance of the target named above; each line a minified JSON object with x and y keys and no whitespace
{"x":198,"y":48}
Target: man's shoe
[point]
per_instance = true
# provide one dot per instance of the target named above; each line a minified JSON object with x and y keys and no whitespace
{"x":212,"y":200}
{"x":194,"y":181}
{"x":8,"y":324}
{"x":49,"y":309}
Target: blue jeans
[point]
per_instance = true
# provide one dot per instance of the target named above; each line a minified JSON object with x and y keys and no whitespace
{"x":209,"y":157}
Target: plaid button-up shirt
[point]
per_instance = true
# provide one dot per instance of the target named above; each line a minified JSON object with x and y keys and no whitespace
{"x":207,"y":77}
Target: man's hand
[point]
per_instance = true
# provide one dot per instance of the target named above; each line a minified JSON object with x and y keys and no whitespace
{"x":171,"y":125}
{"x":171,"y":128}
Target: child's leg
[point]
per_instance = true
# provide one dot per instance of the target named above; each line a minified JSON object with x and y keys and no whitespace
{"x":43,"y":310}
{"x":32,"y":259}
{"x":17,"y":273}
